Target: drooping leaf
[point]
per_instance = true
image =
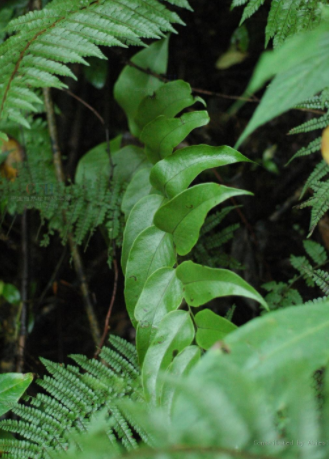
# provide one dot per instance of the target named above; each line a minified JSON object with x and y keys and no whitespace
{"x":169,"y":100}
{"x":162,"y":293}
{"x":202,"y":284}
{"x":175,"y":173}
{"x":140,"y":217}
{"x":153,"y":249}
{"x":163,"y":134}
{"x":301,"y":68}
{"x":12,"y":387}
{"x":211,"y":328}
{"x":133,"y":85}
{"x":184,"y":215}
{"x":175,"y":332}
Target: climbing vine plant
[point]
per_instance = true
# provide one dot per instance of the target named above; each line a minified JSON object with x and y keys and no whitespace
{"x":164,"y":217}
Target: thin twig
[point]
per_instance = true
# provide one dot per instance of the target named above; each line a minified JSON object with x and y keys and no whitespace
{"x":83,"y":102}
{"x":109,"y":312}
{"x":252,"y":99}
{"x":24,"y":294}
{"x":195,"y":90}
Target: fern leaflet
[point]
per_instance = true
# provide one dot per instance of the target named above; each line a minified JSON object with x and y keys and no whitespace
{"x":48,"y":422}
{"x":44,"y":42}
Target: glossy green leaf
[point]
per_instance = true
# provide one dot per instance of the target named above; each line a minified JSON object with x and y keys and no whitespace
{"x":139,"y":187}
{"x":202,"y":284}
{"x":133,"y":85}
{"x":163,"y":134}
{"x":181,"y":366}
{"x":211,"y":328}
{"x":162,"y":293}
{"x":169,"y":100}
{"x":153,"y":249}
{"x":302,"y":69}
{"x":185,"y":214}
{"x":140,"y":217}
{"x":266,"y":346}
{"x":175,"y":332}
{"x":96,"y":161}
{"x":175,"y":173}
{"x":12,"y":387}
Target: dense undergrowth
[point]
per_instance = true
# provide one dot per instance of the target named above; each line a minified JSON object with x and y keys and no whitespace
{"x":127,"y":158}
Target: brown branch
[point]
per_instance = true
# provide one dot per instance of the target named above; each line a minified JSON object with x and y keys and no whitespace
{"x":109,"y":312}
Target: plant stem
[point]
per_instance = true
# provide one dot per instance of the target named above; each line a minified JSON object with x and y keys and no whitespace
{"x":109,"y":313}
{"x":23,"y":320}
{"x":77,"y":260}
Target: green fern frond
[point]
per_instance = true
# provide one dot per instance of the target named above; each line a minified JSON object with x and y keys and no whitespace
{"x":211,"y":239}
{"x":44,"y":42}
{"x":218,"y":239}
{"x":314,"y":103}
{"x":322,"y":299}
{"x":236,"y":3}
{"x":319,"y":203}
{"x":286,"y":17}
{"x":87,"y":204}
{"x":312,"y":147}
{"x":321,"y":278}
{"x":251,"y":8}
{"x":281,"y":295}
{"x":215,"y":219}
{"x":47,"y":422}
{"x":119,"y":364}
{"x":303,"y":266}
{"x":320,"y":171}
{"x":312,"y":125}
{"x":181,"y":3}
{"x":126,"y":349}
{"x":315,"y":251}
